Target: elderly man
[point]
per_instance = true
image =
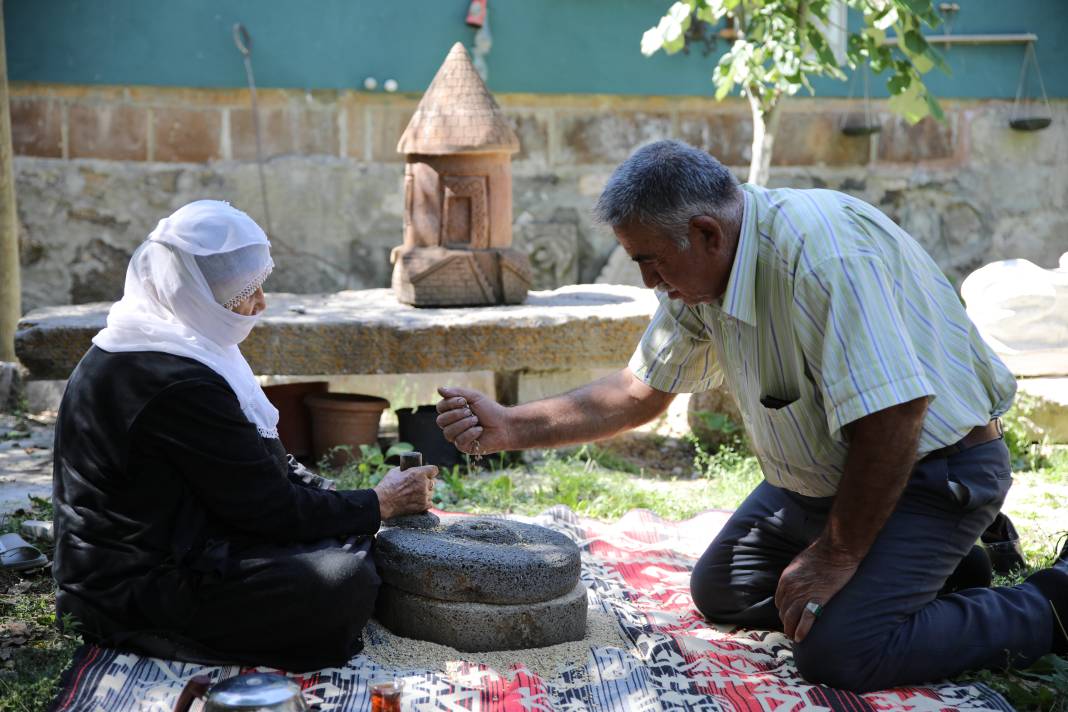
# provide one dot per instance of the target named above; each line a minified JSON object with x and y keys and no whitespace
{"x":870,"y":399}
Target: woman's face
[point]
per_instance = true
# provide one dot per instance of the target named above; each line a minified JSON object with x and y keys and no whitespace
{"x":252,"y":305}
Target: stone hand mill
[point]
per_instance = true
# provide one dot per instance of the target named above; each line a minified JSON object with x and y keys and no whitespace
{"x":457,"y":247}
{"x":478,"y":584}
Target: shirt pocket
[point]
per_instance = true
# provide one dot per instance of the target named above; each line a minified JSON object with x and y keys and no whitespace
{"x":796,"y":433}
{"x":781,"y":421}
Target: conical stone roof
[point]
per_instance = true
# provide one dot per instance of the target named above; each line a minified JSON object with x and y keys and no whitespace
{"x":457,"y":114}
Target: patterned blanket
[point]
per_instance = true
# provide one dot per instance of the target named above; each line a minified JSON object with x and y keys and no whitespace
{"x":637,"y":569}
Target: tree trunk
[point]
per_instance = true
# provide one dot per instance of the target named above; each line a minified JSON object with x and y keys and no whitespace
{"x":765,"y":124}
{"x":10,"y":288}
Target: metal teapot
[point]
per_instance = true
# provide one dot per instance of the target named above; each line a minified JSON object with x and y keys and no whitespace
{"x":252,"y":692}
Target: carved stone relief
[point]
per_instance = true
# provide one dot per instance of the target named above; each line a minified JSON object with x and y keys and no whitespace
{"x":553,"y":251}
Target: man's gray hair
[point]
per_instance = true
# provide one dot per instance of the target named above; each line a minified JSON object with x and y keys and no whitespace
{"x":664,"y":184}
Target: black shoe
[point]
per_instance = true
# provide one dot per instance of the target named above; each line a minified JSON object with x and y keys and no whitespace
{"x":973,"y":571}
{"x":1053,"y":583}
{"x":1062,"y":558}
{"x":1003,"y":545}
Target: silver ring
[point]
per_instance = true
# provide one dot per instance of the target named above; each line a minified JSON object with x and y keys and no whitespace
{"x":814,"y":608}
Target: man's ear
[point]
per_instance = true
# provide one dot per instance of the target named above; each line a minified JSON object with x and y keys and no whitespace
{"x":707,"y":233}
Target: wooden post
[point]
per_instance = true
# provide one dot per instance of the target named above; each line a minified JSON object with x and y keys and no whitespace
{"x":10,"y":287}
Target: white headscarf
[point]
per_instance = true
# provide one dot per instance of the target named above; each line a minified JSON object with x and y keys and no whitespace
{"x":205,"y":255}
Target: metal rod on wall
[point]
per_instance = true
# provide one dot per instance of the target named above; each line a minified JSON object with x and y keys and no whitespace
{"x":1021,"y":38}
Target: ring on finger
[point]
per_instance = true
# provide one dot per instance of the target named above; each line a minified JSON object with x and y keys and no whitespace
{"x":814,"y":608}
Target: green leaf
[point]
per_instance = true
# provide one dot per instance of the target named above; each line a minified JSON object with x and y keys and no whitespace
{"x":707,"y":14}
{"x":885,"y":21}
{"x":398,"y":448}
{"x":921,"y":63}
{"x":936,"y":57}
{"x":876,"y":35}
{"x":673,"y":46}
{"x":918,"y":7}
{"x":911,"y":103}
{"x":670,"y":33}
{"x":933,"y":107}
{"x":914,"y":42}
{"x":723,"y":88}
{"x":918,"y":11}
{"x":652,"y":40}
{"x":898,"y":83}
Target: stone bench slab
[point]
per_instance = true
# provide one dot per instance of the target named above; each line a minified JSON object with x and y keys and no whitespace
{"x":369,"y":331}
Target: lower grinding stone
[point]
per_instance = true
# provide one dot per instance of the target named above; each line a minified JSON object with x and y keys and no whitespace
{"x":479,"y":627}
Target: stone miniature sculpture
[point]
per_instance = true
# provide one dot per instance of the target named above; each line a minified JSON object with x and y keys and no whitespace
{"x":1021,"y":310}
{"x":457,"y":247}
{"x":478,"y":584}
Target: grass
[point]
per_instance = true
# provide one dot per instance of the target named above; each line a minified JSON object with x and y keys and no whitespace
{"x":593,"y":481}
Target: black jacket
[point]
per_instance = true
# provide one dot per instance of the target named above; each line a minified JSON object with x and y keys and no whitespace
{"x":158,"y":479}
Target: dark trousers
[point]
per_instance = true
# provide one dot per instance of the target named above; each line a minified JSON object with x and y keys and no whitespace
{"x":888,"y":626}
{"x":298,"y":607}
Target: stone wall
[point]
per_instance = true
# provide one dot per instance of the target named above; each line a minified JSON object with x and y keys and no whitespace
{"x":96,"y":167}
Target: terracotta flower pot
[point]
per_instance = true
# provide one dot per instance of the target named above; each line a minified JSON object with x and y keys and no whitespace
{"x":343,"y":419}
{"x":294,"y":418}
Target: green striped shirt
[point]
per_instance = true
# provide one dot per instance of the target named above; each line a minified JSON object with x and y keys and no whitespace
{"x":831,"y":312}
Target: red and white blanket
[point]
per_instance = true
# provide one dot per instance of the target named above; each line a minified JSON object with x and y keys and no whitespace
{"x":637,"y":568}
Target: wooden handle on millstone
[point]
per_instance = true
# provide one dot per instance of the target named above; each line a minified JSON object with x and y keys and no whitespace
{"x":426,"y":520}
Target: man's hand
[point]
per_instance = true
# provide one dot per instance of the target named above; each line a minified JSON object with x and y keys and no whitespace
{"x":466,"y":416}
{"x":816,"y":574}
{"x":406,"y":491}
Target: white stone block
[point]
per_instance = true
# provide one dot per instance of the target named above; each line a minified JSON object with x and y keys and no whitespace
{"x":1021,"y":310}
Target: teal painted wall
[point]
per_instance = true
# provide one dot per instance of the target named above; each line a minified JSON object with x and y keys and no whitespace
{"x":541,"y":46}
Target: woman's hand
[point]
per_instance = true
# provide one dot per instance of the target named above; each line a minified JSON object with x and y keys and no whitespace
{"x":473,"y":422}
{"x":406,"y":491}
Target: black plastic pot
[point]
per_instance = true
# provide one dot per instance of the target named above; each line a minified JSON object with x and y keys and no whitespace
{"x":418,"y":428}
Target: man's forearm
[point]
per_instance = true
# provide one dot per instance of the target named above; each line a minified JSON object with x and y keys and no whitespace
{"x":882,"y":453}
{"x":595,"y":411}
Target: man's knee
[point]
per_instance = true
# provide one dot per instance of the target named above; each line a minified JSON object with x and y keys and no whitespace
{"x":837,"y":657}
{"x":711,"y":593}
{"x":721,"y":596}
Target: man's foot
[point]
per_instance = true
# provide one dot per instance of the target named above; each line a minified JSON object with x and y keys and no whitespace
{"x":1062,"y":558}
{"x":1053,"y":583}
{"x":1002,"y":543}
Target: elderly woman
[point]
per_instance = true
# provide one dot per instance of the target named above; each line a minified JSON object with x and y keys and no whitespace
{"x":183,"y":531}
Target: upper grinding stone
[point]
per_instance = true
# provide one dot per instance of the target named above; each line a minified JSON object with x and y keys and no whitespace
{"x":479,"y":560}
